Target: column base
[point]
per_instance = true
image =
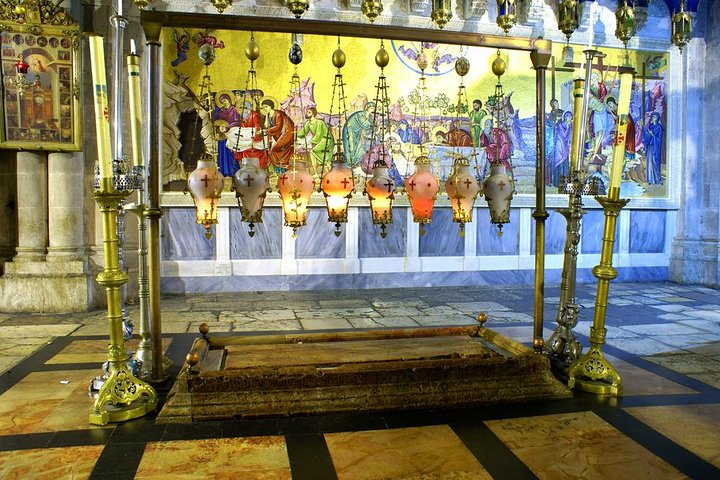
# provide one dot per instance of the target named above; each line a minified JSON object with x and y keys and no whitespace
{"x":46,"y":286}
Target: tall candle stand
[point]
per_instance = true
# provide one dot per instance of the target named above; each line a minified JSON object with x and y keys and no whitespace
{"x":592,"y":372}
{"x":563,"y":344}
{"x":122,"y":396}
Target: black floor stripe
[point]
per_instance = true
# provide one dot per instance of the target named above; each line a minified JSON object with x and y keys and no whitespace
{"x":25,"y":442}
{"x":119,"y":461}
{"x":33,"y":363}
{"x":491,"y":452}
{"x":677,"y":456}
{"x":309,"y":457}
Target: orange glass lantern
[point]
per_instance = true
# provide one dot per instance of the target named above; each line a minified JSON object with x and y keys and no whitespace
{"x":296,"y":186}
{"x":337,"y":185}
{"x":462,"y":189}
{"x":205,"y":185}
{"x":380,"y":189}
{"x":251,"y":186}
{"x":421,"y":188}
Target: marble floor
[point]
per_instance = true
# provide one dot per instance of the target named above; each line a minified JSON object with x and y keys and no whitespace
{"x":664,"y":339}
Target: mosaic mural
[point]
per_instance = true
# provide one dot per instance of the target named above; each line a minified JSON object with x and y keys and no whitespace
{"x":432,"y":117}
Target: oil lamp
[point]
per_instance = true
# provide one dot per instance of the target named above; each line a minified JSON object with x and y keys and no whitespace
{"x":422,"y":188}
{"x":380,"y":189}
{"x":462,"y":189}
{"x":507,"y":14}
{"x":296,"y":186}
{"x":625,"y":27}
{"x":441,"y":12}
{"x":298,"y":7}
{"x":221,"y":5}
{"x":681,"y":27}
{"x":371,"y":9}
{"x":205,"y":184}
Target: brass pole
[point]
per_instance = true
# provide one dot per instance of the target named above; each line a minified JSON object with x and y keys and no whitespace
{"x":154,"y":212}
{"x":540,"y":63}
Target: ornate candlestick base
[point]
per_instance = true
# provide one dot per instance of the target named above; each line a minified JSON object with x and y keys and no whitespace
{"x":592,"y":372}
{"x":122,"y":396}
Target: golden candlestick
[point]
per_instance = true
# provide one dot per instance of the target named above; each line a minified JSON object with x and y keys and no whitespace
{"x":129,"y":397}
{"x":592,"y":372}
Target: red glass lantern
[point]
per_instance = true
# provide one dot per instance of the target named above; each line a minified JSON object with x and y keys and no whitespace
{"x":21,"y":67}
{"x":421,"y":188}
{"x":462,"y":189}
{"x":337,"y":185}
{"x":205,"y":184}
{"x":296,"y":186}
{"x":380,"y":189}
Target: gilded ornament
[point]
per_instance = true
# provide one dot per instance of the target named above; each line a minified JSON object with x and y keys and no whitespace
{"x":371,"y":9}
{"x":252,"y":50}
{"x":681,"y":27}
{"x":298,"y":7}
{"x":338,"y":58}
{"x":568,"y":17}
{"x":625,"y":22}
{"x":441,"y":12}
{"x":142,"y":3}
{"x":221,"y":5}
{"x":462,"y":66}
{"x":382,"y":58}
{"x":498,"y":66}
{"x":507,"y":16}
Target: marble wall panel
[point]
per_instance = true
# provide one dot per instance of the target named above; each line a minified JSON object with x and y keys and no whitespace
{"x":647,"y":231}
{"x":392,"y":280}
{"x":555,"y":227}
{"x":317,"y":239}
{"x":442,"y":237}
{"x":488,"y":241}
{"x":267,"y":242}
{"x":370,"y":244}
{"x":183,"y":238}
{"x":593,"y":224}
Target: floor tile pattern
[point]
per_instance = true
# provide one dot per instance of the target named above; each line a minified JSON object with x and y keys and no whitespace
{"x":664,"y":339}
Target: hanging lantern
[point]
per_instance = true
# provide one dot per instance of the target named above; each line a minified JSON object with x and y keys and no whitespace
{"x":142,"y":3}
{"x":681,"y":27}
{"x":251,"y":186}
{"x":221,"y":5}
{"x":507,"y":14}
{"x":498,"y":189}
{"x":371,"y":9}
{"x":296,"y":186}
{"x":422,"y":188}
{"x":337,"y":185}
{"x":441,"y":12}
{"x":380,"y":189}
{"x":205,"y":184}
{"x":625,"y":22}
{"x":462,"y":189}
{"x":568,"y":17}
{"x":298,"y":7}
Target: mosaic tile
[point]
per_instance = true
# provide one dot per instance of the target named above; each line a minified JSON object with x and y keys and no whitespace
{"x":248,"y":458}
{"x":50,"y":463}
{"x":691,"y":426}
{"x":432,"y":453}
{"x":576,"y":445}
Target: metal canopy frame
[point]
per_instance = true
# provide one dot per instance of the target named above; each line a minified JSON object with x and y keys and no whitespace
{"x":344,"y":29}
{"x":152,"y":22}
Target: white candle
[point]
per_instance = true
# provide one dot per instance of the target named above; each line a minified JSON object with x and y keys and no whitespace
{"x":102,"y":116}
{"x":119,"y":7}
{"x":133,"y":49}
{"x":618,"y":161}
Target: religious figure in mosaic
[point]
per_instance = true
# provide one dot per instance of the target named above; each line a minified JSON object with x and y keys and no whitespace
{"x":225,"y":116}
{"x":356,"y":133}
{"x":321,"y":142}
{"x":653,"y":140}
{"x":278,"y":131}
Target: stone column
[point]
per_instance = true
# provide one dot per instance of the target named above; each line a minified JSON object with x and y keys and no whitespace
{"x":8,"y":207}
{"x":32,"y":202}
{"x":65,"y":206}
